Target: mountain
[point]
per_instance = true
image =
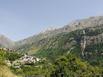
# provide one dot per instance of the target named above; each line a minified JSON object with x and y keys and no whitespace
{"x":6,"y":42}
{"x":75,"y":50}
{"x":89,"y":25}
{"x":81,"y":37}
{"x":78,"y":24}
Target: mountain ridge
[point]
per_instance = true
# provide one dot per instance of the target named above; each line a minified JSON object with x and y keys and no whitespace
{"x":78,"y":24}
{"x":96,"y":21}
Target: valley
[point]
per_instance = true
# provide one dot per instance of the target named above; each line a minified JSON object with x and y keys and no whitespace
{"x":76,"y":50}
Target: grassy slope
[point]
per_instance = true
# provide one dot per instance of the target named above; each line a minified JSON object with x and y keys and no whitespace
{"x":6,"y":72}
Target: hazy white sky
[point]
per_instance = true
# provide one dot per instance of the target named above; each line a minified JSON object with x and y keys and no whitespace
{"x":23,"y":18}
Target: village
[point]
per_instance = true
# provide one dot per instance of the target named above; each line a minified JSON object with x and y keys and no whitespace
{"x":24,"y":60}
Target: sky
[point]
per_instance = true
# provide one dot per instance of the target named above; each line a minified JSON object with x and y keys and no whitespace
{"x":20,"y":19}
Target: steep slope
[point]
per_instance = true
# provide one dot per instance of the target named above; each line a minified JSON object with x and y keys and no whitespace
{"x":82,"y":37}
{"x":4,"y":69}
{"x":40,"y":39}
{"x":6,"y":72}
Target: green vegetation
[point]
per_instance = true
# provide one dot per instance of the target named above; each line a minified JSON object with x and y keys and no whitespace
{"x":4,"y":69}
{"x":64,"y":66}
{"x":12,"y":56}
{"x":71,"y":66}
{"x":61,"y":55}
{"x":68,"y":66}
